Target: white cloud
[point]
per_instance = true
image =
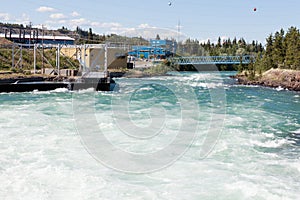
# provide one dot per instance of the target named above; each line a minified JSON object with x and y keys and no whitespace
{"x":45,"y":9}
{"x":21,"y":19}
{"x":144,"y":30}
{"x":79,"y":22}
{"x":149,"y":32}
{"x":145,"y":26}
{"x":75,"y":14}
{"x":87,"y":23}
{"x":4,"y":16}
{"x":39,"y":26}
{"x":57,"y":16}
{"x":24,"y":19}
{"x":62,"y":21}
{"x":106,"y":25}
{"x":95,"y":24}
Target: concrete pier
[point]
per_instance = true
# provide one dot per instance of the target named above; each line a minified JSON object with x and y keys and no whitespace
{"x":32,"y":84}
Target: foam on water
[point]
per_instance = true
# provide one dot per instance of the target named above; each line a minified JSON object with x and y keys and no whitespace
{"x":272,"y":143}
{"x":297,"y":132}
{"x":256,"y":156}
{"x":279,"y":88}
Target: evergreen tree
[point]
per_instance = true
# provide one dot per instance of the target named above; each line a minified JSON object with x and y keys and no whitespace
{"x":229,"y":44}
{"x":242,"y":43}
{"x":90,"y":35}
{"x":219,"y":42}
{"x":282,"y":50}
{"x":278,"y":52}
{"x":208,"y":44}
{"x":292,"y":44}
{"x":234,"y":41}
{"x":268,"y":62}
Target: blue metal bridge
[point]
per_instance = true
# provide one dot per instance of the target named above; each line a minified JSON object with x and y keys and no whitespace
{"x":212,"y":60}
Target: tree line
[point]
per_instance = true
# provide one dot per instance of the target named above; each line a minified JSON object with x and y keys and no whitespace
{"x":89,"y":37}
{"x":232,"y":47}
{"x":282,"y":51}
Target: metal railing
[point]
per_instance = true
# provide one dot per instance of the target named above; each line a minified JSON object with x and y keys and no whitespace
{"x":226,"y":60}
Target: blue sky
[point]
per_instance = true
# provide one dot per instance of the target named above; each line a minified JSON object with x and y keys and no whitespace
{"x":198,"y":19}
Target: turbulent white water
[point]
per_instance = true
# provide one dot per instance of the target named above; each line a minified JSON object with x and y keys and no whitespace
{"x":43,"y":154}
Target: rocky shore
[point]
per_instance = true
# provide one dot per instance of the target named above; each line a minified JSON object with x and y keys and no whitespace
{"x":283,"y":78}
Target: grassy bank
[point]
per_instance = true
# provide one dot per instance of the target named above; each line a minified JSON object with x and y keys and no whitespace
{"x":24,"y":59}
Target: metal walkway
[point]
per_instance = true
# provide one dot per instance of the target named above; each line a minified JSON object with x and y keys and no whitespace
{"x":212,"y":60}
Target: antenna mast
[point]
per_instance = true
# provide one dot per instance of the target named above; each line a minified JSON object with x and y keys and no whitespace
{"x":178,"y":30}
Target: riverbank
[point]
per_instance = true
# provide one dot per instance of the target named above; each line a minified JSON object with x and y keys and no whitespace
{"x":14,"y":77}
{"x":283,"y":78}
{"x":142,"y":72}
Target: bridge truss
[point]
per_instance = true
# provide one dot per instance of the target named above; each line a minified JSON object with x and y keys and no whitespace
{"x":212,"y":60}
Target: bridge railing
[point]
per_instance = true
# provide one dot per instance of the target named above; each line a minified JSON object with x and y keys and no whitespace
{"x":245,"y":59}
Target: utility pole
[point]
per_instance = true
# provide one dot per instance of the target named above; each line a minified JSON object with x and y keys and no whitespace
{"x":178,"y":30}
{"x":42,"y":48}
{"x":84,"y":58}
{"x":34,"y":57}
{"x":30,"y":25}
{"x":105,"y":59}
{"x":58,"y":59}
{"x":21,"y":56}
{"x":13,"y":56}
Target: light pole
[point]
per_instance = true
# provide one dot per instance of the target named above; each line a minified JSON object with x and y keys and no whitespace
{"x":42,"y":48}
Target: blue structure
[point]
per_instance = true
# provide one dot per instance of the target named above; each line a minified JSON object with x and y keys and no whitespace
{"x":169,"y":45}
{"x":159,"y":49}
{"x":149,"y":52}
{"x":213,"y":60}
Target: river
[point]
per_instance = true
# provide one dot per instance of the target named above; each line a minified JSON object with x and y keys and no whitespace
{"x":185,"y":136}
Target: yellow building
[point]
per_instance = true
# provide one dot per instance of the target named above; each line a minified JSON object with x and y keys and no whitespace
{"x":92,"y":56}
